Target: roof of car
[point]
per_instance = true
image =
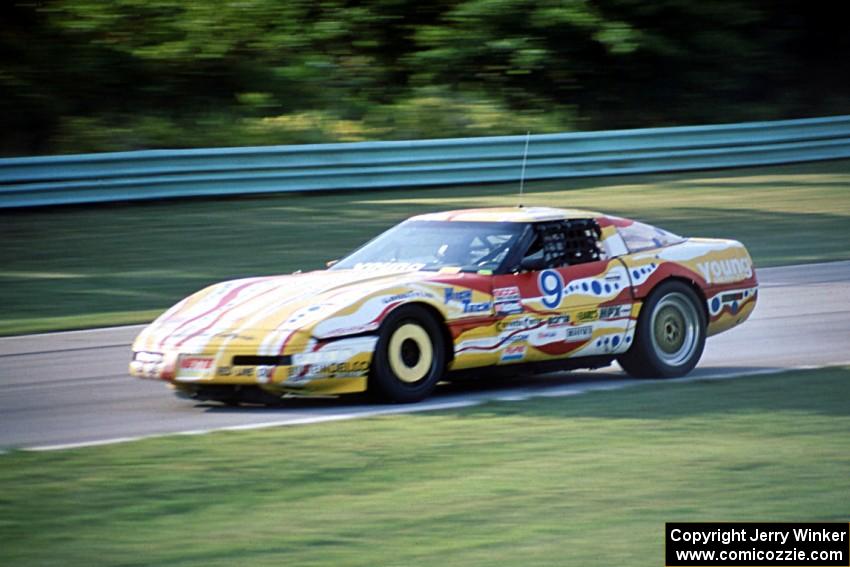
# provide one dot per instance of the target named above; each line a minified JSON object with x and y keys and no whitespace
{"x":508,"y":214}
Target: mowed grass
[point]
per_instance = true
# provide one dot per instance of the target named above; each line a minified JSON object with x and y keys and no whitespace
{"x":585,"y":480}
{"x":71,"y":267}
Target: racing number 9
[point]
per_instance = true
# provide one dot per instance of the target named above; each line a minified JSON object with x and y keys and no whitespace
{"x":551,"y":285}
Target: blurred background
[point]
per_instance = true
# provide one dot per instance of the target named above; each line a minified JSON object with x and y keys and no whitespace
{"x":88,"y":75}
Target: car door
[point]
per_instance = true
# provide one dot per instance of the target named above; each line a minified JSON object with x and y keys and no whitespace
{"x":564,"y":297}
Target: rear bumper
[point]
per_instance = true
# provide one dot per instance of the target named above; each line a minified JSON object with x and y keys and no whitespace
{"x":730,"y":307}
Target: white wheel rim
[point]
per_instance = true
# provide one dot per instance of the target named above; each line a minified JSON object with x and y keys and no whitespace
{"x":410,"y":353}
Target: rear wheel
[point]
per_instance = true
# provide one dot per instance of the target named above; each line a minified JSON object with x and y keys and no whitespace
{"x":670,"y":334}
{"x":409,"y":358}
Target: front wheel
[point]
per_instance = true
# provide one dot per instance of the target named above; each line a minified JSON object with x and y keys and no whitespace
{"x":670,"y":334}
{"x":409,"y":357}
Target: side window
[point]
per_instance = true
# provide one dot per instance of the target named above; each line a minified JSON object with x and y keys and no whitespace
{"x":566,"y":243}
{"x":639,"y":236}
{"x":582,"y":241}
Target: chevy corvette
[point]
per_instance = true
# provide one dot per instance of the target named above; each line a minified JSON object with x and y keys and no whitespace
{"x":452,"y":293}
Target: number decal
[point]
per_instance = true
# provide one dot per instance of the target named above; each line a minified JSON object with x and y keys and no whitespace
{"x":551,"y":285}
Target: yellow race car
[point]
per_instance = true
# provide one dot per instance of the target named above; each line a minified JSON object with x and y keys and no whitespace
{"x":452,"y":292}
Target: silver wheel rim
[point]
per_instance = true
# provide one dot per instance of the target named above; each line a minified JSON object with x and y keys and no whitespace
{"x":674,"y":329}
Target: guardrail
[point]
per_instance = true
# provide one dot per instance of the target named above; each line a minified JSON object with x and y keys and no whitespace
{"x":154,"y":174}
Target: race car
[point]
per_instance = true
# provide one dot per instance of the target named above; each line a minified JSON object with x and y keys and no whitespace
{"x":456,"y":293}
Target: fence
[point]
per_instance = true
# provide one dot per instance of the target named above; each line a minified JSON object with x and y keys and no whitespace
{"x":154,"y":174}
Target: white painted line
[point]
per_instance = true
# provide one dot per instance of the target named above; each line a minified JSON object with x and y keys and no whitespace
{"x":5,"y":389}
{"x":557,"y":392}
{"x":97,"y":443}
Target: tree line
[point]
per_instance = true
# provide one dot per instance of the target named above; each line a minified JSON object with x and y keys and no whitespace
{"x":88,"y":75}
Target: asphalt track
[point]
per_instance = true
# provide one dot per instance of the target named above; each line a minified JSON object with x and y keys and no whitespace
{"x":61,"y":390}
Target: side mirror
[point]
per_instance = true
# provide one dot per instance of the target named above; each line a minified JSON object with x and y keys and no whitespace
{"x":331,"y":263}
{"x":532,"y":264}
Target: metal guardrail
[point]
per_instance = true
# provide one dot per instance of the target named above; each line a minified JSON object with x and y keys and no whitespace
{"x":154,"y":174}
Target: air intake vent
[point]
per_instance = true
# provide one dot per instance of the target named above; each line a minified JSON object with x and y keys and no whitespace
{"x":255,"y":360}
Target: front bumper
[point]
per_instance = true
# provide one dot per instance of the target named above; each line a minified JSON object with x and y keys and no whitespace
{"x":329,"y":368}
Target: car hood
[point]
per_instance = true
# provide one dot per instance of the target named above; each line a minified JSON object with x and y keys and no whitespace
{"x":269,"y":311}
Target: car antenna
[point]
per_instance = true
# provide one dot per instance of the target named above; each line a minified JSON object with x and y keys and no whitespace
{"x":522,"y":174}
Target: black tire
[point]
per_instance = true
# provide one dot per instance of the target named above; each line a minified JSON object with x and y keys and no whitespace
{"x":410,"y":356}
{"x":670,"y":334}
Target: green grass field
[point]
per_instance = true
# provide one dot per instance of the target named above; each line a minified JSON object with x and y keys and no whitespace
{"x":88,"y":266}
{"x":585,"y":480}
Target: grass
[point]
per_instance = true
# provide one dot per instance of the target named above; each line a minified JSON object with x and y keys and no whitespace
{"x":120,"y":263}
{"x":587,"y":480}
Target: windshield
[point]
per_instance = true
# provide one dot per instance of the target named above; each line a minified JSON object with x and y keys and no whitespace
{"x":433,"y":245}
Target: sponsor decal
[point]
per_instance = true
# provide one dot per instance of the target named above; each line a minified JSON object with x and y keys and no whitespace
{"x":196,"y":363}
{"x":333,"y":370}
{"x":406,"y":295}
{"x":549,"y":335}
{"x":513,"y":352}
{"x":506,"y":294}
{"x":464,"y":297}
{"x":508,"y":308}
{"x":297,"y":376}
{"x":350,"y":330}
{"x":522,"y":337}
{"x":460,"y":296}
{"x":518,"y":324}
{"x":230,"y":371}
{"x":587,"y":316}
{"x":507,"y":300}
{"x":722,"y":271}
{"x":482,"y":307}
{"x":615,"y":312}
{"x":558,"y":321}
{"x":579,"y":333}
{"x":195,"y":366}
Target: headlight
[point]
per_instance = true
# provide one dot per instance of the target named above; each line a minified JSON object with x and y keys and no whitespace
{"x":143,"y":356}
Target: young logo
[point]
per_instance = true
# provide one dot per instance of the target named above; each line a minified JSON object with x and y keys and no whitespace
{"x":723,"y":271}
